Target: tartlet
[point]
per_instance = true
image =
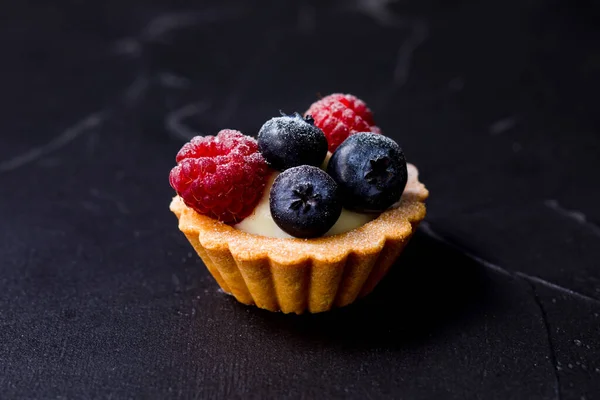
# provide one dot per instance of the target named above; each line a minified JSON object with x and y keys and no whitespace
{"x":304,"y":275}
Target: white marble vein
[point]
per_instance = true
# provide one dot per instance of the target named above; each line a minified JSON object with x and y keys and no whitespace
{"x":573,"y":215}
{"x":503,"y":125}
{"x":172,"y":81}
{"x":136,"y":90}
{"x":550,"y":341}
{"x":556,"y":287}
{"x":426,"y":227}
{"x":160,"y":26}
{"x":378,"y":10}
{"x":87,"y":124}
{"x":531,"y":281}
{"x":128,"y":46}
{"x":174,"y":121}
{"x":418,"y":35}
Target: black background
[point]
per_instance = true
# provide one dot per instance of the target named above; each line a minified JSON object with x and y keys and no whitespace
{"x":497,"y":296}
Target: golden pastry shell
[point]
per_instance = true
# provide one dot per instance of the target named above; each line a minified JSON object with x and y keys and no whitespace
{"x":299,"y":275}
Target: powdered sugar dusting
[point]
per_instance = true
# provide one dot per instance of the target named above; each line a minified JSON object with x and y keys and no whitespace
{"x":290,"y":125}
{"x":290,"y":141}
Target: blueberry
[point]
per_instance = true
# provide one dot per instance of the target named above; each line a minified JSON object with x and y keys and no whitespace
{"x":305,"y":202}
{"x":290,"y":140}
{"x":370,"y":170}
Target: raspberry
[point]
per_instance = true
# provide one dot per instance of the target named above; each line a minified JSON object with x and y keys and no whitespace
{"x":341,"y":115}
{"x":220,"y":176}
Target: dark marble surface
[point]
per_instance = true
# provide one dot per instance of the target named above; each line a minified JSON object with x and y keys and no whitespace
{"x":497,"y":296}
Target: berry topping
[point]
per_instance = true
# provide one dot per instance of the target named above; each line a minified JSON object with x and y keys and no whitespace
{"x":220,"y":176}
{"x":370,"y":170}
{"x":289,"y":141}
{"x":305,"y":201}
{"x":341,"y":115}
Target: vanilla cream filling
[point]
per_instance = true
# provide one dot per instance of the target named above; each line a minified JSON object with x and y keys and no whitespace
{"x":260,"y":222}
